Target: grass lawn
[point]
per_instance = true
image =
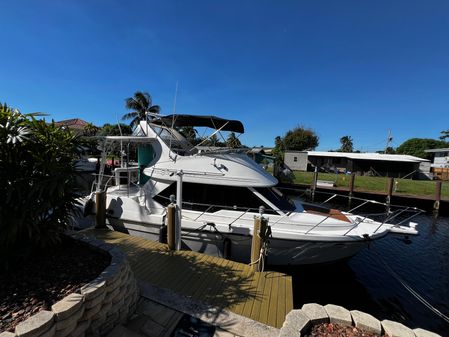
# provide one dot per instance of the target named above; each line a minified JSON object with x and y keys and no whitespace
{"x":378,"y":184}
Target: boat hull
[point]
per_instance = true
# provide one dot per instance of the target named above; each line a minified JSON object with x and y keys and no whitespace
{"x":281,"y":252}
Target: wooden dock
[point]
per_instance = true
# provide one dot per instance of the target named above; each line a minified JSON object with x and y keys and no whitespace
{"x":265,"y":297}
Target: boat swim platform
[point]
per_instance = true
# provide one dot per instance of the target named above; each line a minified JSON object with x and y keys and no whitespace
{"x":266,"y":297}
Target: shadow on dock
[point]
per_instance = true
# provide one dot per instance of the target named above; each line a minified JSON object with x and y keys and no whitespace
{"x":214,"y":284}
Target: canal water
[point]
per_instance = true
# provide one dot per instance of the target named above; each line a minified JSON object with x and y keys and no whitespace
{"x":386,"y":279}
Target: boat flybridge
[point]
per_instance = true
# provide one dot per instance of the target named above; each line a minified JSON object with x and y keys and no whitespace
{"x":222,"y":190}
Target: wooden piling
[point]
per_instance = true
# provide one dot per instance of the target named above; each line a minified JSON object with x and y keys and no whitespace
{"x":351,"y":188}
{"x":436,"y":205}
{"x":314,"y":182}
{"x":390,"y":190}
{"x":256,"y":243}
{"x":100,"y":216}
{"x":260,"y":226}
{"x":171,"y":218}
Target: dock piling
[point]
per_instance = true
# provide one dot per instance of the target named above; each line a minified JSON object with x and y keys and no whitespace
{"x":260,"y":228}
{"x":436,"y":205}
{"x":171,"y":219}
{"x":389,"y":192}
{"x":351,"y":189}
{"x":314,"y":182}
{"x":178,"y":217}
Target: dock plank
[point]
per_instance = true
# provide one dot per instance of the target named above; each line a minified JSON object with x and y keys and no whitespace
{"x":245,"y":281}
{"x":265,"y":297}
{"x":288,"y":294}
{"x":281,"y":304}
{"x":271,"y":319}
{"x":248,"y":306}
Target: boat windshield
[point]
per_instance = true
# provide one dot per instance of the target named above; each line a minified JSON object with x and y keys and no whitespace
{"x":277,"y":198}
{"x":174,"y":140}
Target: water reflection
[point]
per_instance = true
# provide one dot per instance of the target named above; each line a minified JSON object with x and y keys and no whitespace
{"x":370,"y":281}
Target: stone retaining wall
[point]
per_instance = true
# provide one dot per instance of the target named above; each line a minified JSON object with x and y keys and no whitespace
{"x":298,"y":322}
{"x":95,"y":309}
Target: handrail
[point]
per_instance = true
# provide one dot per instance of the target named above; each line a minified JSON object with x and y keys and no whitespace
{"x":352,"y":198}
{"x":319,"y":223}
{"x":327,"y":200}
{"x":95,"y":182}
{"x":306,"y":228}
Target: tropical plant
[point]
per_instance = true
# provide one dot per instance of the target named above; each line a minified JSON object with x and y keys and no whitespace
{"x":142,"y":107}
{"x":189,"y":133}
{"x":212,"y":141}
{"x":278,"y":150}
{"x":121,"y":129}
{"x":300,"y":139}
{"x":115,"y":130}
{"x":38,"y":185}
{"x":232,"y":141}
{"x":346,"y":144}
{"x":389,"y":150}
{"x":90,"y":130}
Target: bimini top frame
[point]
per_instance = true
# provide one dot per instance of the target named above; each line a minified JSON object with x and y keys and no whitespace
{"x":200,"y":121}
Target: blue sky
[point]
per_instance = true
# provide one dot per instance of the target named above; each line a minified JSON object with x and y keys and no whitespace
{"x":355,"y":68}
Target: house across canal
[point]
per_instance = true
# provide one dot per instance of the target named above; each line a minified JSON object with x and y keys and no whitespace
{"x":391,"y":165}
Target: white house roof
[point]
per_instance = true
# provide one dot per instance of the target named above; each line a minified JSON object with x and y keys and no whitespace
{"x":445,"y":149}
{"x":368,"y":156}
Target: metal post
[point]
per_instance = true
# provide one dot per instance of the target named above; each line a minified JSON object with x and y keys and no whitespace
{"x":179,"y":210}
{"x":171,"y":225}
{"x":100,"y":216}
{"x":436,"y":205}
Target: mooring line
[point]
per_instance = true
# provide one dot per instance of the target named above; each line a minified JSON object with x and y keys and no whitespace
{"x":412,"y":291}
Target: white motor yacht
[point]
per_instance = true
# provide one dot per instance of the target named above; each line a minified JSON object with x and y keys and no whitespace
{"x":222,"y":191}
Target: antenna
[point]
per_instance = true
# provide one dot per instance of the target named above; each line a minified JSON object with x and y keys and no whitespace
{"x":174,"y":111}
{"x":389,"y":141}
{"x":121,"y":142}
{"x":174,"y":101}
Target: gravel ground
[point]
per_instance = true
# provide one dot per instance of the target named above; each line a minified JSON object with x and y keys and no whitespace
{"x":336,"y":330}
{"x":45,"y":278}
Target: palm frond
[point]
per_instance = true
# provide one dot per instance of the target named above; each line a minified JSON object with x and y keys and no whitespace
{"x":144,"y":98}
{"x":155,"y":109}
{"x":130,"y":115}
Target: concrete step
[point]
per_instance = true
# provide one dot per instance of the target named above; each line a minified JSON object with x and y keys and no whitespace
{"x":121,"y":331}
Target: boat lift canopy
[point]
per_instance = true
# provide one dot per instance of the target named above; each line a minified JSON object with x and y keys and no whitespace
{"x":204,"y":121}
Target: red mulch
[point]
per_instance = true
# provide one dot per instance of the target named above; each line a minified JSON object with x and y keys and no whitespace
{"x":336,"y":330}
{"x":46,"y":278}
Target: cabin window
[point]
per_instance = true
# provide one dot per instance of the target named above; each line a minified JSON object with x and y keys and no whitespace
{"x":212,"y":198}
{"x":295,"y":158}
{"x":276,"y":198}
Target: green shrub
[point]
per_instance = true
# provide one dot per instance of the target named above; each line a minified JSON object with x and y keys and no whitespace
{"x":37,"y":182}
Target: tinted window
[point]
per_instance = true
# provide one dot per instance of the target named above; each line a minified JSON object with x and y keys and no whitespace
{"x":200,"y":197}
{"x":276,"y":198}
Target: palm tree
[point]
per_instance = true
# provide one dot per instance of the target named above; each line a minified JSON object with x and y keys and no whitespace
{"x":189,"y":133}
{"x":90,"y":130}
{"x":232,"y":141}
{"x":141,"y":105}
{"x":346,"y":144}
{"x":444,"y":134}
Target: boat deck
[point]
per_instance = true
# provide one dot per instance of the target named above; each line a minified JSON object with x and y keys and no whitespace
{"x":265,"y":297}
